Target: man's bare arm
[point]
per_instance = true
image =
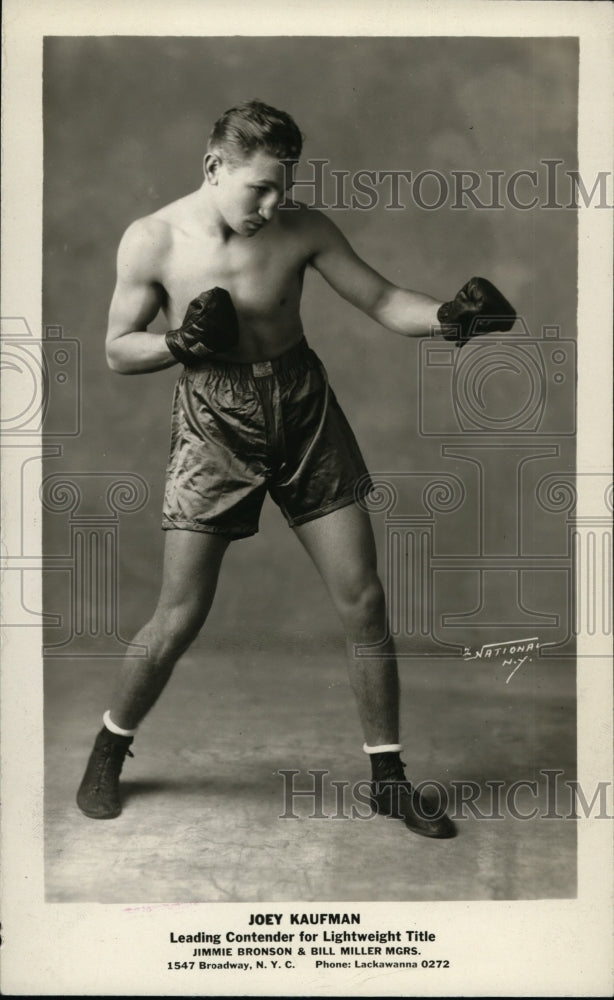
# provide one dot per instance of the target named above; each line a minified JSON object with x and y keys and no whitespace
{"x":409,"y":313}
{"x":130,"y":348}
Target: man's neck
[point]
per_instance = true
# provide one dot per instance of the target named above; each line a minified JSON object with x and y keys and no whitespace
{"x":206,"y":214}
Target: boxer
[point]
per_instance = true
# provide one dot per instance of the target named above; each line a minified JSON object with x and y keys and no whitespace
{"x":252,"y":414}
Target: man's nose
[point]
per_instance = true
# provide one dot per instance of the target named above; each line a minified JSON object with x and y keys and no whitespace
{"x":267,"y":207}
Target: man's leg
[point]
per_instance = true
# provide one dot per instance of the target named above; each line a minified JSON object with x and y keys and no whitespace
{"x":192,"y":561}
{"x":191,"y":567}
{"x":342,"y":546}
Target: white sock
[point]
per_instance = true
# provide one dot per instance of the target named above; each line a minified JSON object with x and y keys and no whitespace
{"x":385,"y":748}
{"x":116,"y":729}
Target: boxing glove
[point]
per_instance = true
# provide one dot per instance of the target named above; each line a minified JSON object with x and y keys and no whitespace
{"x":477,"y":309}
{"x":210,"y":326}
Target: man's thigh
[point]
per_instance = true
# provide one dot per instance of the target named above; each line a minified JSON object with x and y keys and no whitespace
{"x":192,"y":561}
{"x":342,"y":547}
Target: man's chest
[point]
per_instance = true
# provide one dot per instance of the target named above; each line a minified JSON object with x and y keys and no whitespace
{"x":258,"y":273}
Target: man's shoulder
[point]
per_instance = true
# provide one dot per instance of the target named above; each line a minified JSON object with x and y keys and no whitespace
{"x":146,"y":242}
{"x":310,"y":222}
{"x":301,"y":213}
{"x":149,"y":231}
{"x":158,"y":226}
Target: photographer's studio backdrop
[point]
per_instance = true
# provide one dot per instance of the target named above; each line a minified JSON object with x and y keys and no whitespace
{"x":473,"y":458}
{"x":125,"y":125}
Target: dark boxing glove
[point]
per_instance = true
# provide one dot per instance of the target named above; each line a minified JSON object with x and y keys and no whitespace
{"x":210,"y":326}
{"x":477,"y":309}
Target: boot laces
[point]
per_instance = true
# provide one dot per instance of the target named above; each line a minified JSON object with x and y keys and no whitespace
{"x":391,"y":770}
{"x":110,"y":760}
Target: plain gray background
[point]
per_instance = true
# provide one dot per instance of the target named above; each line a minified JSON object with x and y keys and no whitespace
{"x":126,"y":121}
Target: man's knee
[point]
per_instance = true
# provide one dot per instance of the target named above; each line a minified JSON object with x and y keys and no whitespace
{"x":363,"y":607}
{"x":177,"y":626}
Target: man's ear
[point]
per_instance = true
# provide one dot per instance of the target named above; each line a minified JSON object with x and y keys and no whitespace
{"x":211,"y":166}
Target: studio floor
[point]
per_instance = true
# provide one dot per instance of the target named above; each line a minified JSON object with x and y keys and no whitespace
{"x":204,"y":800}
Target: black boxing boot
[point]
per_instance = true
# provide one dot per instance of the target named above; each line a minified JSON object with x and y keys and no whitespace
{"x":98,"y":795}
{"x":393,"y":795}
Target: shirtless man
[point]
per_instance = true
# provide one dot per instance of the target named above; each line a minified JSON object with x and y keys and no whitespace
{"x":252,"y":413}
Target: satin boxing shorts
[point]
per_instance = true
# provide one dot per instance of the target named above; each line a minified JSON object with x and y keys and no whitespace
{"x":242,"y":430}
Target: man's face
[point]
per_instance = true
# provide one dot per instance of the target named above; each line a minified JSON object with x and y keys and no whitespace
{"x":248,"y":193}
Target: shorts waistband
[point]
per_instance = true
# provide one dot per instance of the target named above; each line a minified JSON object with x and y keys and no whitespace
{"x":292,"y":361}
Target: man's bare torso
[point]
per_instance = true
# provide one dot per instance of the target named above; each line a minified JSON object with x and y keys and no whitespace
{"x":263,"y":273}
